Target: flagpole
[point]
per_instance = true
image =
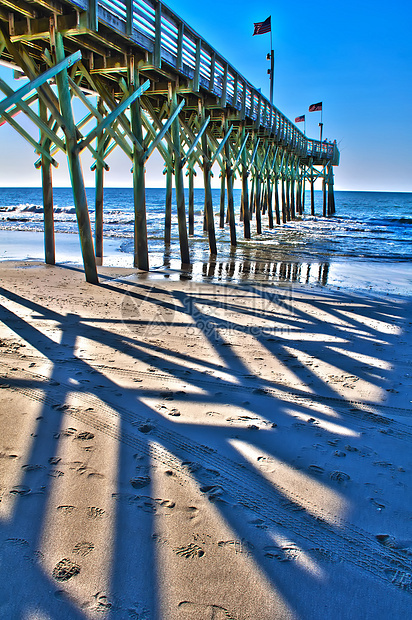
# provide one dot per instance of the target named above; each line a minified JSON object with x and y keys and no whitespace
{"x":272,"y":66}
{"x":321,"y":122}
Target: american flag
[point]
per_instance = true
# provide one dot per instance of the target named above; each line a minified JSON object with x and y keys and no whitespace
{"x":300,"y":119}
{"x":262,"y":27}
{"x":315,"y":107}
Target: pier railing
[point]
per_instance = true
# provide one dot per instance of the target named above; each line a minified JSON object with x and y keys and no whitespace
{"x":172,"y":42}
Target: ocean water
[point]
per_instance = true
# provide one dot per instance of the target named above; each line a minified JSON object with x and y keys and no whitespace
{"x":368,"y":227}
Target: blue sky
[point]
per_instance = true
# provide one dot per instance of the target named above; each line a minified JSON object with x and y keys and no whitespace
{"x":356,"y":57}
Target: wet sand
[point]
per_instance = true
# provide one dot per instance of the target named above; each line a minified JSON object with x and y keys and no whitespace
{"x":173,"y":449}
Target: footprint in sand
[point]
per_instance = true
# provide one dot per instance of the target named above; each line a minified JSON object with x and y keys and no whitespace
{"x":339,"y":476}
{"x":16,"y":542}
{"x":192,"y":511}
{"x":190,"y":551}
{"x":137,"y":612}
{"x":93,"y":512}
{"x":140,"y":482}
{"x":66,"y":509}
{"x":32,"y":467}
{"x":85,"y":436}
{"x":390,"y":541}
{"x":103,"y":603}
{"x":238,"y":546}
{"x":214,"y":492}
{"x":400,"y":578}
{"x":325,"y":555}
{"x":83,"y":548}
{"x":20,"y":489}
{"x":259,"y":523}
{"x":214,"y":612}
{"x":191,"y":467}
{"x":316,"y":469}
{"x":282,"y":554}
{"x":65,"y":570}
{"x":55,"y":473}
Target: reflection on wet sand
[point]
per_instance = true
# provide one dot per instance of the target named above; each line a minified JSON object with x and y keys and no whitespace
{"x":274,"y":271}
{"x":247,"y":264}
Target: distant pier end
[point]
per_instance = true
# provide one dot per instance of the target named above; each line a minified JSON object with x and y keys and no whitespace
{"x":148,"y":82}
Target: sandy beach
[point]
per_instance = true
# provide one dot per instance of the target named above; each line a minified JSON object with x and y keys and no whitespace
{"x":175,"y":450}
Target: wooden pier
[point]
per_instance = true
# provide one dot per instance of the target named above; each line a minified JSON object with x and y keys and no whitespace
{"x":148,"y":81}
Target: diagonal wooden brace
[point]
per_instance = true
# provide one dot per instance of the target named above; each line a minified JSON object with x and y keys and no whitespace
{"x":235,"y":165}
{"x":112,"y":116}
{"x":254,"y":154}
{"x":39,"y":81}
{"x":163,"y":132}
{"x":221,"y":145}
{"x":195,"y":141}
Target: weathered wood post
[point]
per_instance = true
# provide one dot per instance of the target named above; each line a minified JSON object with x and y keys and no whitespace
{"x":288,"y":196}
{"x":277,"y":211}
{"x":245,"y":191}
{"x":222,"y":198}
{"x":46,"y":175}
{"x":99,"y":193}
{"x":270,"y":199}
{"x":180,"y":195}
{"x":168,"y":203}
{"x":284,"y":218}
{"x":324,"y":207}
{"x":292,"y":190}
{"x":207,"y":172}
{"x":191,"y":174}
{"x":245,"y":203}
{"x":303,"y":187}
{"x":331,"y":197}
{"x":76,"y":175}
{"x":299,"y":194}
{"x":257,"y":204}
{"x":252,"y":195}
{"x":312,"y":191}
{"x":229,"y":185}
{"x":264,"y":199}
{"x":141,"y":253}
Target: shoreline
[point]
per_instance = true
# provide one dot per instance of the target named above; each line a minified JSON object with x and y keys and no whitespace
{"x":382,"y":277}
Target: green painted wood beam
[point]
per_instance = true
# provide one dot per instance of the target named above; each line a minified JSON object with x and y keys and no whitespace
{"x":265,"y":158}
{"x":129,"y":17}
{"x":196,"y":140}
{"x":37,"y":147}
{"x":239,"y":155}
{"x":196,"y":76}
{"x":92,"y":19}
{"x":111,"y":130}
{"x":160,"y":147}
{"x":76,"y":175}
{"x":24,"y":107}
{"x":39,"y":81}
{"x":221,"y":145}
{"x":158,"y":123}
{"x":190,"y":138}
{"x":252,"y":159}
{"x":179,"y":56}
{"x":163,"y":132}
{"x":112,"y":116}
{"x":157,"y":52}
